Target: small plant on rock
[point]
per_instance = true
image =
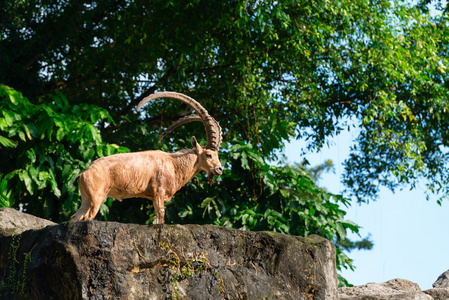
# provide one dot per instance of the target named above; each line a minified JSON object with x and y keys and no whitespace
{"x":183,"y":268}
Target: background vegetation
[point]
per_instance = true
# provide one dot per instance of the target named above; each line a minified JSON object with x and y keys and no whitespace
{"x":72,"y":72}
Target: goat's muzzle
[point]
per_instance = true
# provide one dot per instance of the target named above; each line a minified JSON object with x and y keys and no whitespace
{"x":217,"y":171}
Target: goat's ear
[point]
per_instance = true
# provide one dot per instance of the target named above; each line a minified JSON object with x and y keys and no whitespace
{"x":196,"y":146}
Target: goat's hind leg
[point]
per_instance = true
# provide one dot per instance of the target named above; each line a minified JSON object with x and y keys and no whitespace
{"x":85,"y":207}
{"x":93,"y":193}
{"x":95,"y":207}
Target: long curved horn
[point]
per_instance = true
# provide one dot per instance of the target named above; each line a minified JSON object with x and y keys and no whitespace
{"x":187,"y":119}
{"x":183,"y":120}
{"x":213,"y":130}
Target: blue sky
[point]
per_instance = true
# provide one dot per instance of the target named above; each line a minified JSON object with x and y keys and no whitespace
{"x":410,"y":234}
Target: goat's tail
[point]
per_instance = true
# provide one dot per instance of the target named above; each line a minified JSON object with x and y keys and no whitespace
{"x":75,"y":182}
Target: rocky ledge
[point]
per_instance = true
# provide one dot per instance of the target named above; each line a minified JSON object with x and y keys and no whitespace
{"x":107,"y":260}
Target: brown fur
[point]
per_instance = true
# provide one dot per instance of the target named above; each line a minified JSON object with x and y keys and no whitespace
{"x":153,"y":174}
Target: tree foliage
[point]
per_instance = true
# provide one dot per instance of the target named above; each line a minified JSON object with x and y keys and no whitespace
{"x":268,"y":71}
{"x":47,"y":146}
{"x":258,"y":66}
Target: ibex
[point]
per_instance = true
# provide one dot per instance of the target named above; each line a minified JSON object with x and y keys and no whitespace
{"x":152,"y":174}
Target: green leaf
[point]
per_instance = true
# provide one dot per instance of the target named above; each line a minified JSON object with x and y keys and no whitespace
{"x":23,"y":175}
{"x":93,"y":134}
{"x":54,"y":185}
{"x":31,"y":154}
{"x":244,"y":160}
{"x":60,"y":134}
{"x":351,"y":225}
{"x":341,"y":230}
{"x":285,"y":193}
{"x":206,"y":204}
{"x":43,"y":177}
{"x":14,"y":96}
{"x":7,"y":142}
{"x":5,"y":195}
{"x":4,"y":201}
{"x":187,"y":211}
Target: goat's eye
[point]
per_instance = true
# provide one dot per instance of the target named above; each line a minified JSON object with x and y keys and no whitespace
{"x":208,"y":156}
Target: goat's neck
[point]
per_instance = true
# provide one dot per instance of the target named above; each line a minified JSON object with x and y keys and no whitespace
{"x":188,"y":165}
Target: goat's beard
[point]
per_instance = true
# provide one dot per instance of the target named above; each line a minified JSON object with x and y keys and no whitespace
{"x":210,"y":176}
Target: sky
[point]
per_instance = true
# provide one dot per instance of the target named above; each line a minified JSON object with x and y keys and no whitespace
{"x":410,"y":234}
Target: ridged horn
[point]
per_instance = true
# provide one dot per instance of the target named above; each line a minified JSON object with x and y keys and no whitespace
{"x":213,"y":130}
{"x":183,"y":120}
{"x":187,"y":119}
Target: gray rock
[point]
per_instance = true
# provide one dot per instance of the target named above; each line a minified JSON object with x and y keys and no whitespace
{"x":442,"y":281}
{"x":107,"y":260}
{"x":438,"y":293}
{"x":393,"y":289}
{"x":13,"y":222}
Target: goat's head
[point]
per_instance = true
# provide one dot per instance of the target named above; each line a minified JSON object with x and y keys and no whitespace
{"x":207,"y":159}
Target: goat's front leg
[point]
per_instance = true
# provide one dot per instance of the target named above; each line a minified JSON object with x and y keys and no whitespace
{"x":159,"y":207}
